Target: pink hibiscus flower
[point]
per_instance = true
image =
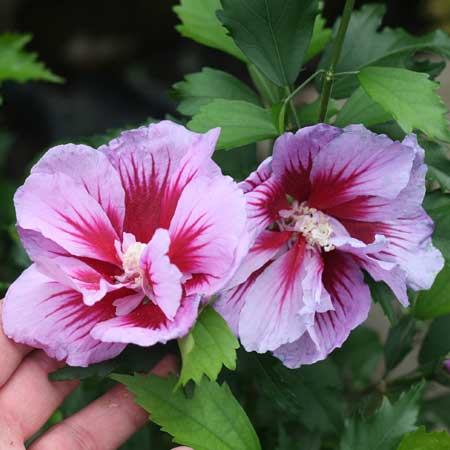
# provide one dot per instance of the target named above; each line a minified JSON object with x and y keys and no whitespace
{"x":124,"y":239}
{"x":329,"y":203}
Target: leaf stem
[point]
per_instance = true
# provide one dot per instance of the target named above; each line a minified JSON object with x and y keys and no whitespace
{"x":329,"y":74}
{"x":290,"y":100}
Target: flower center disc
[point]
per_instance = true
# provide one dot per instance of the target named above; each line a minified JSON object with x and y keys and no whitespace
{"x":312,"y":224}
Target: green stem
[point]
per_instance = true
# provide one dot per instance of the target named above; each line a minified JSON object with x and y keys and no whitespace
{"x":329,"y":74}
{"x":301,"y":86}
{"x":292,"y":106}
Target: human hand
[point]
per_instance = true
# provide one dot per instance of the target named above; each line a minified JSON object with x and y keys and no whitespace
{"x":28,"y":399}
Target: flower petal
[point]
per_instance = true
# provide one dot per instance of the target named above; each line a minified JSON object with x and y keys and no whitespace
{"x":208,"y":232}
{"x":92,"y":170}
{"x":147,"y":325}
{"x":261,"y":174}
{"x":155,"y":163}
{"x":45,"y":314}
{"x":62,"y":211}
{"x":162,"y":281}
{"x":293,"y":156}
{"x":270,"y":315}
{"x":359,"y":163}
{"x":351,"y":301}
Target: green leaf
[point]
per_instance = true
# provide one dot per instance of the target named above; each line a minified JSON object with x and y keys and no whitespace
{"x":382,"y":294}
{"x":421,"y":440}
{"x":309,"y":114}
{"x":19,"y":65}
{"x":239,"y":162}
{"x":311,"y":394}
{"x":211,"y":420}
{"x":365,"y":45}
{"x":436,"y":301}
{"x":410,"y":97}
{"x":208,"y":346}
{"x":202,"y":87}
{"x":359,"y":357}
{"x":438,"y":162}
{"x":320,"y":37}
{"x":200,"y":23}
{"x":241,"y":122}
{"x":132,"y":359}
{"x":399,"y":341}
{"x":438,"y":407}
{"x":269,"y":91}
{"x":360,"y":108}
{"x":385,"y":428}
{"x":436,"y":344}
{"x":273,"y":34}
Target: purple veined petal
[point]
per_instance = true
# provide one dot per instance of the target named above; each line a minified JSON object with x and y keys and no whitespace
{"x":259,"y":176}
{"x":293,"y":156}
{"x":208,"y":232}
{"x":147,"y":325}
{"x":359,"y":163}
{"x":351,"y":300}
{"x":37,"y":246}
{"x":154,"y":164}
{"x":92,"y":170}
{"x":43,"y":313}
{"x":266,"y":246}
{"x":162,"y":279}
{"x":125,"y":305}
{"x":62,"y":211}
{"x":270,"y":314}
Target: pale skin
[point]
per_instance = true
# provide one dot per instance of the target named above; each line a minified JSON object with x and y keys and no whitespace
{"x":28,"y":399}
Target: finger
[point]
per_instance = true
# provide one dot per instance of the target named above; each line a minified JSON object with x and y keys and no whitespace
{"x":28,"y":399}
{"x":105,"y":424}
{"x":11,"y":354}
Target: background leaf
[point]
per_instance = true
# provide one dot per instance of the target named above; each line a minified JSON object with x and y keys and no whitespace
{"x":438,"y":162}
{"x":208,"y":346}
{"x":273,"y":34}
{"x":19,"y":65}
{"x":384,"y":430}
{"x":211,"y":420}
{"x":421,"y":440}
{"x":200,"y":23}
{"x":436,"y":344}
{"x":200,"y":88}
{"x":410,"y":97}
{"x":320,"y":37}
{"x":241,"y":122}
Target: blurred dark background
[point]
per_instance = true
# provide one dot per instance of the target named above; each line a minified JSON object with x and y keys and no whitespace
{"x":119,"y":60}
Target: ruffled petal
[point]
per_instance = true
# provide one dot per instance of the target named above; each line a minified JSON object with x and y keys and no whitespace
{"x":155,"y":163}
{"x":91,"y":170}
{"x":208,"y":232}
{"x":351,"y":300}
{"x":261,"y":174}
{"x":147,"y":324}
{"x":293,"y":156}
{"x":62,"y":211}
{"x":270,"y":315}
{"x":43,"y":313}
{"x":162,"y":279}
{"x":359,"y":163}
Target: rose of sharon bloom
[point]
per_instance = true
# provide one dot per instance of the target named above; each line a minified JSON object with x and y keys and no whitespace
{"x":329,"y":203}
{"x":124,"y":240}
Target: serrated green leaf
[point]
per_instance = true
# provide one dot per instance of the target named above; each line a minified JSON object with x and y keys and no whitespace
{"x":388,"y":47}
{"x":199,"y":22}
{"x":320,"y":37}
{"x":211,"y":420}
{"x":360,"y":108}
{"x":209,"y":346}
{"x":385,"y":428}
{"x":399,"y":341}
{"x":382,"y":294}
{"x":273,"y":34}
{"x":311,"y":394}
{"x":436,"y":301}
{"x":269,"y":91}
{"x":421,"y":440}
{"x":436,"y":344}
{"x":410,"y":97}
{"x":200,"y":88}
{"x":19,"y":65}
{"x":241,"y":122}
